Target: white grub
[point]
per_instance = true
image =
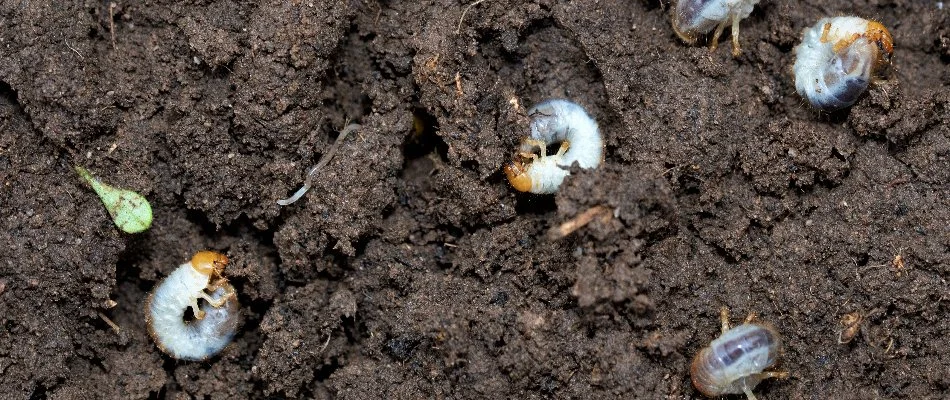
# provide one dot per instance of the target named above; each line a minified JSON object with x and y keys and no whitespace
{"x":555,"y":121}
{"x":215,"y":322}
{"x":692,"y":18}
{"x":838,"y":58}
{"x":734,"y":363}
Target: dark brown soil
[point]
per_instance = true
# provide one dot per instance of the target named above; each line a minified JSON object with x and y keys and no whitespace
{"x":412,"y":269}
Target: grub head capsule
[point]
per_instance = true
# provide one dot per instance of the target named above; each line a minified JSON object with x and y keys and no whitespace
{"x":208,"y":262}
{"x":838,"y":58}
{"x":735,"y":362}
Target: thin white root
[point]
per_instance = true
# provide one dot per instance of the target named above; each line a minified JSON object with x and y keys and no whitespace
{"x":323,"y":161}
{"x":327,"y":343}
{"x":475,"y":3}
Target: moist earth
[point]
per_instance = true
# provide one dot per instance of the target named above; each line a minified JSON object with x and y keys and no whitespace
{"x":412,"y":269}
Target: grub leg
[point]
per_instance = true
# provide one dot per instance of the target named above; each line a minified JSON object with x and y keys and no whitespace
{"x":752,"y":316}
{"x":565,"y":145}
{"x":216,"y":303}
{"x":724,"y":318}
{"x":772,"y":374}
{"x":715,"y":39}
{"x":735,"y":37}
{"x":539,"y":144}
{"x":748,"y":393}
{"x":197,"y":311}
{"x":761,"y":376}
{"x":529,"y":156}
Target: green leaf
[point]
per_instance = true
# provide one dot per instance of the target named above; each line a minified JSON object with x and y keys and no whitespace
{"x":129,"y":210}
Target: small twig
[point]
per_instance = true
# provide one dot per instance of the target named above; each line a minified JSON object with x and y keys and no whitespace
{"x":112,"y":6}
{"x":898,"y":263}
{"x":670,"y":169}
{"x":379,"y":11}
{"x":458,"y":84}
{"x":580,"y":221}
{"x":323,"y":161}
{"x":459,"y":29}
{"x":109,"y":322}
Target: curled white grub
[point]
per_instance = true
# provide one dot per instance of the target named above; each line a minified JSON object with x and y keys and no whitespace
{"x":215,"y":322}
{"x":736,"y":361}
{"x":838,"y":58}
{"x":555,"y":121}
